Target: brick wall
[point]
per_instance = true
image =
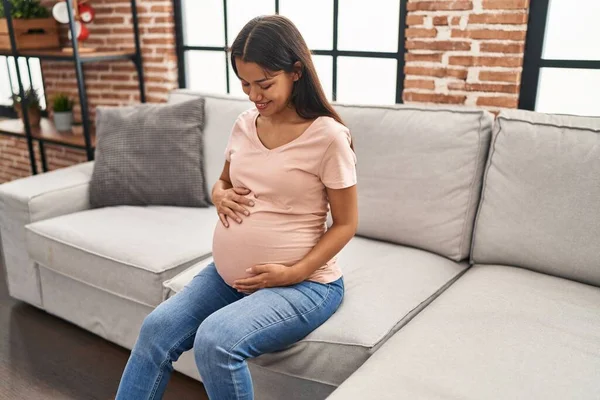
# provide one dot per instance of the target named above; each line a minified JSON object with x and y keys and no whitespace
{"x":465,"y":52}
{"x":458,"y":51}
{"x":109,"y":83}
{"x":14,"y":158}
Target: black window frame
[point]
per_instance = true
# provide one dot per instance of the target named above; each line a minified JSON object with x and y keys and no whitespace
{"x":399,"y":55}
{"x":533,"y":61}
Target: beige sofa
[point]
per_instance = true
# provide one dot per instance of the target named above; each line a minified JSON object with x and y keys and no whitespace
{"x":474,"y":273}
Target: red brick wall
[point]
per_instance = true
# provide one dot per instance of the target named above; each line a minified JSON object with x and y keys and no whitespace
{"x":458,"y":51}
{"x":14,"y":158}
{"x":465,"y":52}
{"x":109,"y":83}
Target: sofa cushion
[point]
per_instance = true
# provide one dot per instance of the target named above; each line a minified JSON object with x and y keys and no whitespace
{"x":177,"y":283}
{"x":419,"y":172}
{"x":128,"y":251}
{"x":540,"y":201}
{"x":386,"y":285}
{"x":497,"y":333}
{"x":220,"y":113}
{"x":150,"y":154}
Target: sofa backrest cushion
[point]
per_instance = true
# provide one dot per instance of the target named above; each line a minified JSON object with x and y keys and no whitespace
{"x":540,"y":206}
{"x":419,"y":173}
{"x":220,"y":113}
{"x":419,"y":168}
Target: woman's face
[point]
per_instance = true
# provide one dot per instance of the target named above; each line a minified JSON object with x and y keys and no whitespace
{"x":270,"y":91}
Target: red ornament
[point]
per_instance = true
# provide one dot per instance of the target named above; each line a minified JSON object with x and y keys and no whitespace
{"x":86,"y":13}
{"x":82,"y":32}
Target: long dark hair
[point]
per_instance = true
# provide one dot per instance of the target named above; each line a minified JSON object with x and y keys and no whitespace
{"x":274,"y":43}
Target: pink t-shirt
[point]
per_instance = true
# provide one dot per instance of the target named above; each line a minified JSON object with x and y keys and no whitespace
{"x":287,"y":185}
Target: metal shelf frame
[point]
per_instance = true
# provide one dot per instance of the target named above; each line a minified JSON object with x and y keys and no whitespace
{"x":78,"y":60}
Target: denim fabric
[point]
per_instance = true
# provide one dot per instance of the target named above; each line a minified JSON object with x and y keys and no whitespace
{"x":225,"y":328}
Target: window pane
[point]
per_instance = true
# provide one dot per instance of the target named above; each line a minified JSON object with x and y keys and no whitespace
{"x":13,"y":74}
{"x":366,"y":80}
{"x":569,"y":91}
{"x":324,"y":67}
{"x":5,"y":89}
{"x":314,"y":19}
{"x":572,"y":30}
{"x":235,"y":85}
{"x":240,"y":12}
{"x":36,"y":76}
{"x":368,"y":25}
{"x":206,"y":71}
{"x":203,"y":23}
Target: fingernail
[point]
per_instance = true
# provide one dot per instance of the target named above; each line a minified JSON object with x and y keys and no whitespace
{"x":247,"y":213}
{"x":239,"y":221}
{"x":252,"y":203}
{"x":248,"y":270}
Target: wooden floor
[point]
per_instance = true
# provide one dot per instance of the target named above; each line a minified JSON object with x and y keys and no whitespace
{"x":44,"y":357}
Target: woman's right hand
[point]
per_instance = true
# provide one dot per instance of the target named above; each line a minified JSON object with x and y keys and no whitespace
{"x":230,"y":204}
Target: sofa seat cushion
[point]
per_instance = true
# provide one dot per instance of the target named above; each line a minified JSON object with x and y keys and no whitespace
{"x":497,"y":333}
{"x":128,"y":251}
{"x":174,"y":285}
{"x":385,"y":284}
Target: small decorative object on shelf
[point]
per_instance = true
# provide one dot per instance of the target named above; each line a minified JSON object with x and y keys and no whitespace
{"x":34,"y":28}
{"x":86,"y":12}
{"x":83,"y":14}
{"x":33,"y":106}
{"x":62,"y":107}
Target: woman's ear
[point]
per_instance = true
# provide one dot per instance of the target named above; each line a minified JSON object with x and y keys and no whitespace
{"x":297,"y":73}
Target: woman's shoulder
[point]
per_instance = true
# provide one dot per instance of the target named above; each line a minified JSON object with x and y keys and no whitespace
{"x":247,"y":116}
{"x":245,"y":121}
{"x":332,"y":129}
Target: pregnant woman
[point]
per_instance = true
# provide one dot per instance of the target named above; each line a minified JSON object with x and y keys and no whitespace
{"x":274,"y":278}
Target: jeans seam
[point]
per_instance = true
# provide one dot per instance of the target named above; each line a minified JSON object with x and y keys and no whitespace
{"x":230,"y":351}
{"x":160,"y":374}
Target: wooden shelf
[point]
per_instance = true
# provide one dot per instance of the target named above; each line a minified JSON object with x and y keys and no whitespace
{"x":59,"y":55}
{"x":47,"y":133}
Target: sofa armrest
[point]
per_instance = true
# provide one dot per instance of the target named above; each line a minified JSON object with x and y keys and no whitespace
{"x":32,"y":199}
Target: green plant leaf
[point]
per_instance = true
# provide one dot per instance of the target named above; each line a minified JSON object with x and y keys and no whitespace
{"x":25,"y":9}
{"x":62,"y":103}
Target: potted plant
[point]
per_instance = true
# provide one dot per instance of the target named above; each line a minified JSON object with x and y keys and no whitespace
{"x":33,"y":106}
{"x":62,"y":106}
{"x":33,"y":26}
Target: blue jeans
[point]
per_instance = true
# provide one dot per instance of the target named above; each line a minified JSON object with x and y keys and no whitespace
{"x":225,"y":328}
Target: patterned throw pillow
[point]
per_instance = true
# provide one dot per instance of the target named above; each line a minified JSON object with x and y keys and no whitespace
{"x":150,"y":154}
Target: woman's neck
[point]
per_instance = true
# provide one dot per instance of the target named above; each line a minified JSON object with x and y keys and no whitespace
{"x":286,"y":116}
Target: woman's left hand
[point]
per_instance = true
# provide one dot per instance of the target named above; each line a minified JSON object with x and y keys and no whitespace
{"x":265,"y":275}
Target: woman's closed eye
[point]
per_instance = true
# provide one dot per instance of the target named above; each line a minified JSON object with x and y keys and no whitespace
{"x":265,"y":87}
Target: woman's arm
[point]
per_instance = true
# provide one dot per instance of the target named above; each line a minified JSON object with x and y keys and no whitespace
{"x":228,"y":199}
{"x":344,"y":210}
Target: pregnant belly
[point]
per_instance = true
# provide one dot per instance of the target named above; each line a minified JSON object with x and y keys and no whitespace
{"x":263,"y":238}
